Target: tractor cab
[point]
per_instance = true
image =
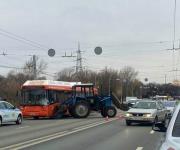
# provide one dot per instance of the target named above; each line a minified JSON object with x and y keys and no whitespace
{"x":86,"y":99}
{"x":83,"y":90}
{"x":88,"y":93}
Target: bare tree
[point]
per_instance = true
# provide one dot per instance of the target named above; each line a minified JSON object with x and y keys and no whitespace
{"x":41,"y":66}
{"x":65,"y":75}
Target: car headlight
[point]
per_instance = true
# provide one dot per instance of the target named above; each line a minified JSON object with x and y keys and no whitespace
{"x":128,"y":114}
{"x":148,"y":115}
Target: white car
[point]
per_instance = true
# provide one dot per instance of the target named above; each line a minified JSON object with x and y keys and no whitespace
{"x":170,"y":105}
{"x":172,"y":141}
{"x":146,"y":111}
{"x":9,"y":113}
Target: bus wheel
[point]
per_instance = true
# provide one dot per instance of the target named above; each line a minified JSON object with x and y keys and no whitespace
{"x":35,"y":117}
{"x":81,"y":109}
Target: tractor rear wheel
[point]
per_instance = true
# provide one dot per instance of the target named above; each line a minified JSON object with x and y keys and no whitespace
{"x":81,"y":109}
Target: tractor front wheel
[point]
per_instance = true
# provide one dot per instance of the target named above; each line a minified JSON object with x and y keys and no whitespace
{"x":109,"y":111}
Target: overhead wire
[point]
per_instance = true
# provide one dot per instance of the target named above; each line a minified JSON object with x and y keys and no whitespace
{"x":22,"y":41}
{"x":22,"y":38}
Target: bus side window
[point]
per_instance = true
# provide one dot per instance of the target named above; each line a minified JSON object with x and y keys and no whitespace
{"x":52,"y":96}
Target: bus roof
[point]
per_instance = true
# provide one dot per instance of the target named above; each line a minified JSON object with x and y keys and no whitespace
{"x":50,"y":84}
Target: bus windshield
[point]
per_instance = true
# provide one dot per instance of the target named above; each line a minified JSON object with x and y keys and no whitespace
{"x":35,"y":97}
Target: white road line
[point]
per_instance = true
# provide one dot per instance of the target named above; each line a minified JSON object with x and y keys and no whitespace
{"x":152,"y":132}
{"x":87,"y":125}
{"x":139,"y":148}
{"x":23,"y":127}
{"x":26,"y":142}
{"x":51,"y":137}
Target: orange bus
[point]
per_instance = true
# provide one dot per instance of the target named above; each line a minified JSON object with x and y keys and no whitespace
{"x":42,"y":98}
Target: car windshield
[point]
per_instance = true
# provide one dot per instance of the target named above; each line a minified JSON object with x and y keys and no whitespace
{"x":35,"y":97}
{"x":145,"y":105}
{"x":169,"y":103}
{"x":176,"y":128}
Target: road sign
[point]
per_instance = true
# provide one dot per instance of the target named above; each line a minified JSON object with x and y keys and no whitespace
{"x":51,"y":52}
{"x":98,"y":50}
{"x":146,"y":79}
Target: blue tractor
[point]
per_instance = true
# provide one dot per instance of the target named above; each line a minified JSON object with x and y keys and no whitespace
{"x":84,"y":100}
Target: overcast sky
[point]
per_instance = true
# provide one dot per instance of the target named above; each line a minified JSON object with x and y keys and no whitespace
{"x":131,"y":32}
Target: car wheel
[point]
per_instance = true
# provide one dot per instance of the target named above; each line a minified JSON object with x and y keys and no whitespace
{"x":128,"y":122}
{"x":19,"y":119}
{"x":164,"y":122}
{"x":0,"y":121}
{"x":154,"y":122}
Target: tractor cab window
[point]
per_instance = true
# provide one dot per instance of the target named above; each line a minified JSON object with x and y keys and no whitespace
{"x":89,"y":92}
{"x":83,"y":91}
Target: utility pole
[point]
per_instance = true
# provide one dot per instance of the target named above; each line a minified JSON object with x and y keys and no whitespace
{"x":165,"y":78}
{"x":34,"y":67}
{"x":79,"y":60}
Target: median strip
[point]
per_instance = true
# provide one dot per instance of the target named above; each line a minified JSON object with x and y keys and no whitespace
{"x":139,"y":148}
{"x":52,"y":136}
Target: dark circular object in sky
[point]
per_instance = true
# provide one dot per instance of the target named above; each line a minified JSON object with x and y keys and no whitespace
{"x":51,"y":52}
{"x":98,"y":50}
{"x":146,"y":79}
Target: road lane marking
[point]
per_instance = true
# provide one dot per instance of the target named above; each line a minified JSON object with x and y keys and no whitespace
{"x":23,"y":127}
{"x":33,"y":140}
{"x":52,"y":136}
{"x":87,"y":125}
{"x":152,"y":132}
{"x":139,"y":148}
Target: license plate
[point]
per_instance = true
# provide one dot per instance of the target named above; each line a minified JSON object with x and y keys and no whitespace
{"x":137,"y":118}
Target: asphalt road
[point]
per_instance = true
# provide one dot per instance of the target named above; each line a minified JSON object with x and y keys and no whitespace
{"x":93,"y":133}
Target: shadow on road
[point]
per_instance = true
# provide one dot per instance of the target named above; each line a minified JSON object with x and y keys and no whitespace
{"x":142,"y":124}
{"x":8,"y":124}
{"x":65,"y":118}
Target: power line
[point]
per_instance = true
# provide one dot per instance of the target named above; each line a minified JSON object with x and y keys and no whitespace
{"x":6,"y":54}
{"x":22,"y":38}
{"x":22,"y":41}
